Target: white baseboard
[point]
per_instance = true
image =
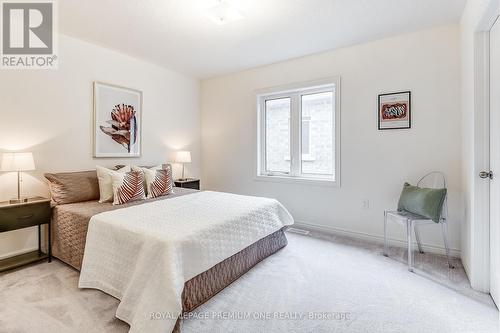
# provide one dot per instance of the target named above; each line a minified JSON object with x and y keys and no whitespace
{"x":18,"y":252}
{"x":465,"y":264}
{"x":373,"y":238}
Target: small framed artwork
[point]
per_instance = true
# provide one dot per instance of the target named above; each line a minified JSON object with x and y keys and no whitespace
{"x":394,"y":110}
{"x":117,"y":121}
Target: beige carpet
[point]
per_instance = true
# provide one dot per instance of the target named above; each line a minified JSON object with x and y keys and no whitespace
{"x":313,"y":285}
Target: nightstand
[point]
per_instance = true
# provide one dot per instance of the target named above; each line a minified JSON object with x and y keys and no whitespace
{"x":35,"y":212}
{"x":188,"y":183}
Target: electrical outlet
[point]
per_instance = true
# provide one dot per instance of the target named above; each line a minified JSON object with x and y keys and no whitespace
{"x":366,"y":204}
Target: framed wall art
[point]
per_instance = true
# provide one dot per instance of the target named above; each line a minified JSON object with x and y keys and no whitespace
{"x":394,"y":110}
{"x":117,"y":121}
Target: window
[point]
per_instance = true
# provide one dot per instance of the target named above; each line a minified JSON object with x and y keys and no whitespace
{"x":299,"y":133}
{"x":319,"y":159}
{"x":278,"y":135}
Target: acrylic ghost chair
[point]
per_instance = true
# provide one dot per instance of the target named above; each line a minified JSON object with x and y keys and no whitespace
{"x":435,"y":180}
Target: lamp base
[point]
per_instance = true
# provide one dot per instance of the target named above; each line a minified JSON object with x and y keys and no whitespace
{"x":18,"y":200}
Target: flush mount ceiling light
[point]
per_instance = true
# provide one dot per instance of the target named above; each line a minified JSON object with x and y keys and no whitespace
{"x":223,"y":13}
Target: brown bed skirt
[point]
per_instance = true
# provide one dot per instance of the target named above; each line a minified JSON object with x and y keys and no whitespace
{"x":204,"y":286}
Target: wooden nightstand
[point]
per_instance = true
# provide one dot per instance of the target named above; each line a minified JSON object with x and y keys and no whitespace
{"x":33,"y":213}
{"x":188,"y":183}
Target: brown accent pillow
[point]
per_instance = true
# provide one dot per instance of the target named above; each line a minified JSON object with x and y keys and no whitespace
{"x":70,"y":187}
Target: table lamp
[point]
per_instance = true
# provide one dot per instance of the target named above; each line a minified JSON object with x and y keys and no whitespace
{"x":183,"y":157}
{"x":17,"y":162}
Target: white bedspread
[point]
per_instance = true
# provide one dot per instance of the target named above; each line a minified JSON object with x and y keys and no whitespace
{"x":143,"y":254}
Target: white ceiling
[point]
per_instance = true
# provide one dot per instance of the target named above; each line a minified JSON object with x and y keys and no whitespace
{"x":176,"y":33}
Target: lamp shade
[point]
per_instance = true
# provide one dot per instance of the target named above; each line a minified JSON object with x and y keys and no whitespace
{"x":183,"y":157}
{"x":17,"y":162}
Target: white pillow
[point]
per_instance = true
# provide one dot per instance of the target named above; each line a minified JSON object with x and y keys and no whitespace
{"x":105,"y":182}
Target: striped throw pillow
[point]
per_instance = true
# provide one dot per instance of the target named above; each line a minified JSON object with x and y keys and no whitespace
{"x":159,"y":182}
{"x":128,"y":187}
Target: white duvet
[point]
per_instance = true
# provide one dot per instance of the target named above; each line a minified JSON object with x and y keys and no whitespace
{"x":143,"y":254}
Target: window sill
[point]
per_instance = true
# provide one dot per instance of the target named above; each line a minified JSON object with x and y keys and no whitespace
{"x":298,"y":180}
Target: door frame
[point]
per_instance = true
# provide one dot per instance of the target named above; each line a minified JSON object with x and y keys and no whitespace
{"x":479,"y":273}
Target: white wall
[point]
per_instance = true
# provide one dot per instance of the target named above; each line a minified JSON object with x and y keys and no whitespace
{"x":474,"y":258}
{"x":375,"y":164}
{"x":50,"y":114}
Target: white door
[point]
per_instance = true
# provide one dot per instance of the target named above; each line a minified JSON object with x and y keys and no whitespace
{"x":495,"y":162}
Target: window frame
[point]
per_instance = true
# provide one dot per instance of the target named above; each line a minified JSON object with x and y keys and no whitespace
{"x":295,"y":92}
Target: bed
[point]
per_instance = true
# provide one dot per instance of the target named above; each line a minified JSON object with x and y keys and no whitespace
{"x":71,"y":223}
